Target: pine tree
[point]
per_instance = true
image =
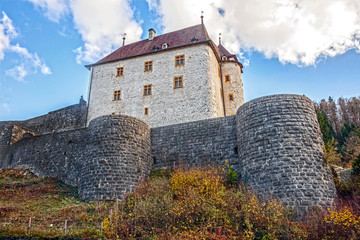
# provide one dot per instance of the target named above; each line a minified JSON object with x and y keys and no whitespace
{"x":325,"y":127}
{"x":356,"y":166}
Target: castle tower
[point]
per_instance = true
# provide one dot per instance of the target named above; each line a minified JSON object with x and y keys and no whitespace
{"x":231,"y":70}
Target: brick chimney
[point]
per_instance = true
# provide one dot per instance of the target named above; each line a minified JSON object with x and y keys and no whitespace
{"x":151,"y":34}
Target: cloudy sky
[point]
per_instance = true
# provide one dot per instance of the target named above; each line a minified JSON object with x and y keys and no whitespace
{"x":304,"y":47}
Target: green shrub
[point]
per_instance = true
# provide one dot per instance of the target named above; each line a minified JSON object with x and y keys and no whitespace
{"x":231,"y":177}
{"x":356,"y":166}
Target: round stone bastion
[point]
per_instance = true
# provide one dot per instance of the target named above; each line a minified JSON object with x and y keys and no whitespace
{"x":119,"y":153}
{"x":280,"y":152}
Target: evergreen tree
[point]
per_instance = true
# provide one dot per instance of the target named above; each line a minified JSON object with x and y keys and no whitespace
{"x":325,"y":127}
{"x":356,"y":166}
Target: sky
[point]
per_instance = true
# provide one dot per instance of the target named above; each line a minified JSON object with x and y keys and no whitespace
{"x":304,"y":47}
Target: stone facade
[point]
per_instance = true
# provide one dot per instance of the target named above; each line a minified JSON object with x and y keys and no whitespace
{"x":118,"y":157}
{"x":232,"y":87}
{"x":58,"y":155}
{"x":198,"y":99}
{"x":117,"y":81}
{"x":195,"y":144}
{"x":280,"y":151}
{"x":64,"y":119}
{"x":274,"y":142}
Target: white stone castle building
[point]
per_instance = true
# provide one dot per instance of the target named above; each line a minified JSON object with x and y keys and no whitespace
{"x":176,"y":77}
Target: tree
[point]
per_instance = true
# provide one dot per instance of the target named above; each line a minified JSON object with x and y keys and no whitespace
{"x":325,"y":127}
{"x":331,"y":155}
{"x":356,"y":166}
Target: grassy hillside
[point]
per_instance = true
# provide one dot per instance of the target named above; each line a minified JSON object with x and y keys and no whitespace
{"x":49,"y":204}
{"x":205,"y":203}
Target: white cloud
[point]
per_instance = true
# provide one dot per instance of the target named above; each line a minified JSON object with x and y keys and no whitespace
{"x":153,"y":4}
{"x":54,"y":9}
{"x":297,"y":32}
{"x":18,"y":73}
{"x":30,"y":62}
{"x":7,"y":32}
{"x":101,"y":24}
{"x":104,"y":32}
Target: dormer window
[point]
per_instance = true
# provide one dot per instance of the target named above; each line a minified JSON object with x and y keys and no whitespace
{"x":164,"y":46}
{"x":224,"y":58}
{"x":231,"y":58}
{"x":155,"y":48}
{"x":194,"y":40}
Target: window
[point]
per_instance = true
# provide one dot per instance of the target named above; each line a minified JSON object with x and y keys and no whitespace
{"x":224,"y":58}
{"x":194,"y":40}
{"x":231,"y":97}
{"x":117,"y":94}
{"x":147,"y":90}
{"x":227,"y":78}
{"x":146,"y":111}
{"x":165,"y":45}
{"x":179,"y":60}
{"x":178,"y":82}
{"x":148,"y":66}
{"x":119,"y":71}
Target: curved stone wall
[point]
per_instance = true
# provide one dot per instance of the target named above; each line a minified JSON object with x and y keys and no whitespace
{"x":119,"y":157}
{"x":280,"y":151}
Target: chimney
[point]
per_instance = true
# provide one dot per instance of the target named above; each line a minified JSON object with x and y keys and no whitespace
{"x":124,"y":39}
{"x":151,"y":34}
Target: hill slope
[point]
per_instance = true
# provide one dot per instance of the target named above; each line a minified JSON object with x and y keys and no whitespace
{"x":39,"y":207}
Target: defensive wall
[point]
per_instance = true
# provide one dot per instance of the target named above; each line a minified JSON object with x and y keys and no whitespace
{"x":274,"y":142}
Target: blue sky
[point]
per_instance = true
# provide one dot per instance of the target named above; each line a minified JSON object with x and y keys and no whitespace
{"x":45,"y":44}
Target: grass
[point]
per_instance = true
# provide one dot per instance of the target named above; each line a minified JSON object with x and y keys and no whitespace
{"x":49,"y":203}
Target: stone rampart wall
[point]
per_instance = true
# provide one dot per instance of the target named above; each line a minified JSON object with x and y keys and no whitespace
{"x":192,"y":144}
{"x":56,"y":154}
{"x":274,"y":142}
{"x":64,"y":119}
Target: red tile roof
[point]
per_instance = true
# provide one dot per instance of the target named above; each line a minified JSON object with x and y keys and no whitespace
{"x":223,"y":51}
{"x":173,"y":39}
{"x":184,"y":37}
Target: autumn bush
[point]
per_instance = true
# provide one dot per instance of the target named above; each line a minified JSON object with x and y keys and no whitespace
{"x":199,"y":204}
{"x":192,"y":204}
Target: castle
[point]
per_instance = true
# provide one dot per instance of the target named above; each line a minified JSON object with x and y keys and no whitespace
{"x":167,"y":101}
{"x":173,"y":78}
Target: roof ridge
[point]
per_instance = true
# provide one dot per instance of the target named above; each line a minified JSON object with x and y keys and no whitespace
{"x":223,"y":50}
{"x":177,"y":30}
{"x":207,"y":37}
{"x":182,"y":37}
